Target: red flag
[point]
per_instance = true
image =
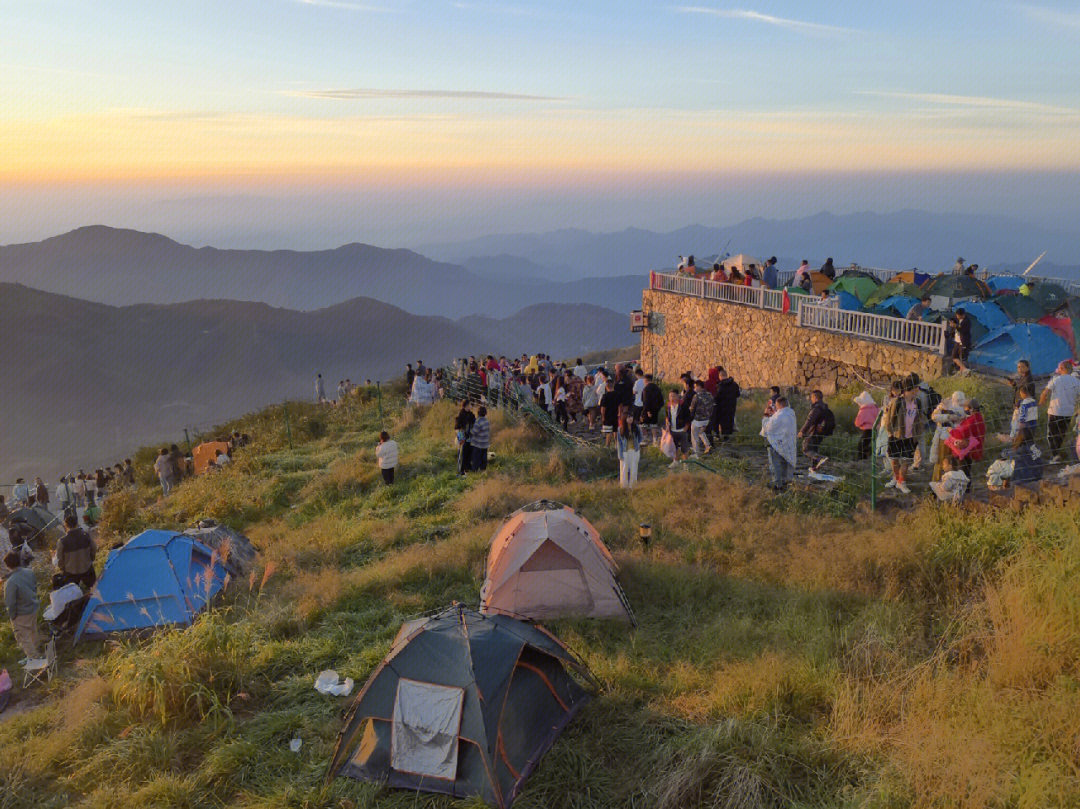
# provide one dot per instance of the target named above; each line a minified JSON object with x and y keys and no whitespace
{"x":786,"y":305}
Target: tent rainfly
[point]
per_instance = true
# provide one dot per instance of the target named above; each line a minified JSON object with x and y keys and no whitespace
{"x":1001,"y":349}
{"x":464,"y":704}
{"x":548,"y":561}
{"x":202,"y":457}
{"x":233,"y":548}
{"x":155,"y":579}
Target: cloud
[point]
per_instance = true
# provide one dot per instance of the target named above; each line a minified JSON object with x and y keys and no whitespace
{"x":798,"y":26}
{"x":346,"y":5}
{"x":1053,"y":16}
{"x":976,"y":102}
{"x":375,"y":93}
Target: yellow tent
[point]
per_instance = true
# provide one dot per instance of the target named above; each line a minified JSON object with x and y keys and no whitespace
{"x":202,"y":456}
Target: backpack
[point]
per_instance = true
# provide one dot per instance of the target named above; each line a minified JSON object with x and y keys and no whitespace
{"x":933,"y":398}
{"x":828,"y":424}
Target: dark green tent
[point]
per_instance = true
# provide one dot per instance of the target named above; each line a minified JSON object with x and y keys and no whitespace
{"x":891,"y":289}
{"x":956,"y":286}
{"x":1049,"y":296}
{"x":464,"y":704}
{"x":1020,"y":307}
{"x":33,"y":524}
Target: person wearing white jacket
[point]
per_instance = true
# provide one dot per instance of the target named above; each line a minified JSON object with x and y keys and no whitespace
{"x":780,"y":430}
{"x":387,"y":455}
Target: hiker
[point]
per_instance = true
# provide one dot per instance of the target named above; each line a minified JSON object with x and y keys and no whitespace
{"x":1061,"y":392}
{"x":74,"y":557}
{"x":221,"y":458}
{"x":820,"y":422}
{"x":802,"y":277}
{"x":1026,"y":457}
{"x":917,"y":311}
{"x":562,"y":414}
{"x":1027,"y":287}
{"x":637,"y":391}
{"x":575,"y":388}
{"x":590,"y":402}
{"x":779,"y":431}
{"x":580,"y":371}
{"x":41,"y":493}
{"x":726,"y":402}
{"x":423,"y":392}
{"x":652,"y":405}
{"x":628,"y":448}
{"x":718,"y":274}
{"x":387,"y":454}
{"x":20,"y":598}
{"x":965,"y":442}
{"x":129,"y":471}
{"x":943,"y":419}
{"x":864,"y":422}
{"x":958,"y":267}
{"x":1025,"y":414}
{"x":320,"y":390}
{"x":962,"y":347}
{"x":928,"y":400}
{"x":609,"y":412}
{"x":410,"y":375}
{"x":163,"y":466}
{"x":953,"y":484}
{"x":676,"y":423}
{"x":20,"y":493}
{"x":463,"y":425}
{"x":65,"y":495}
{"x":1023,"y":377}
{"x":828,"y":270}
{"x":701,"y":412}
{"x":770,"y":276}
{"x":480,"y":439}
{"x":904,"y":421}
{"x":770,"y":405}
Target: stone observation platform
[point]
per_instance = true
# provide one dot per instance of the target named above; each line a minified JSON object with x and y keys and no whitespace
{"x":691,"y":324}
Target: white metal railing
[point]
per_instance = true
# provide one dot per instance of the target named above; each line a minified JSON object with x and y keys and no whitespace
{"x":915,"y":333}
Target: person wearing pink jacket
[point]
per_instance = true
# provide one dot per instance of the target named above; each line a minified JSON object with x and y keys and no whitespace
{"x":864,"y":421}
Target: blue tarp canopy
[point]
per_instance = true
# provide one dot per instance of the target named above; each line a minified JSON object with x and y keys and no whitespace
{"x":896,"y":305}
{"x":1039,"y":345}
{"x":1000,"y":282}
{"x":158,"y":578}
{"x":988,"y":313}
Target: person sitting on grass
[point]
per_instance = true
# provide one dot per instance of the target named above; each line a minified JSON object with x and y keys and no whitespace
{"x":953,"y":483}
{"x":387,"y":455}
{"x":221,"y":459}
{"x":904,"y":421}
{"x":780,"y":432}
{"x":819,"y":423}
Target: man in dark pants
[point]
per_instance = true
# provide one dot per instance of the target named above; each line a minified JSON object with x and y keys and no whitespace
{"x":1062,"y":392}
{"x":963,"y":341}
{"x":727,"y":399}
{"x":75,"y":556}
{"x":815,"y":428}
{"x":463,"y":427}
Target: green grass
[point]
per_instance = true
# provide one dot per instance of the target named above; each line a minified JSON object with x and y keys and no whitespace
{"x":788,"y":653}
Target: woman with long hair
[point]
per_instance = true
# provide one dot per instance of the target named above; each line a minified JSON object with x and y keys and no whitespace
{"x":628,"y":447}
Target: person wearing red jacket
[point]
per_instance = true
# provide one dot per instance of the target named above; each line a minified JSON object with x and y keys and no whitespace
{"x":967,"y":439}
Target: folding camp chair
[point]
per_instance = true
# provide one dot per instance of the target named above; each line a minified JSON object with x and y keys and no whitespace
{"x":41,"y":669}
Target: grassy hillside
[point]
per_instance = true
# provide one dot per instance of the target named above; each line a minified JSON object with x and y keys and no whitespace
{"x":779,"y":661}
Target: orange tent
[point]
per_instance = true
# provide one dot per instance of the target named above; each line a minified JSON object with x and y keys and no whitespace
{"x":203,"y":455}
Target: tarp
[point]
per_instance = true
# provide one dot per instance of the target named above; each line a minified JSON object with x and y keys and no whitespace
{"x":957,"y":286}
{"x":157,"y":578}
{"x":988,"y":313}
{"x":464,"y":704}
{"x":1020,"y":307}
{"x":547,"y":561}
{"x":997,"y":283}
{"x":203,"y":455}
{"x":35,"y":522}
{"x":895,"y":305}
{"x":1039,"y":345}
{"x":861,"y":287}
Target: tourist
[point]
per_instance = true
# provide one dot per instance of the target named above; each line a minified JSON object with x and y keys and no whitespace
{"x":41,"y":493}
{"x":652,"y":404}
{"x":1026,"y":457}
{"x":1061,"y":392}
{"x":958,"y":267}
{"x":221,"y":459}
{"x":701,"y":413}
{"x":387,"y":455}
{"x":769,"y":276}
{"x":802,"y":277}
{"x":609,"y":412}
{"x":966,"y":440}
{"x":1027,"y":287}
{"x":163,"y":466}
{"x":580,"y":371}
{"x":718,"y":274}
{"x":727,"y":401}
{"x":948,"y":413}
{"x":320,"y":390}
{"x":590,"y":402}
{"x":828,"y":270}
{"x":562,"y":414}
{"x":1025,"y":414}
{"x":20,"y":493}
{"x":963,"y":341}
{"x":904,"y":421}
{"x":65,"y":495}
{"x":820,"y":422}
{"x":637,"y":390}
{"x":628,"y":448}
{"x":953,"y":483}
{"x":770,"y":405}
{"x":74,"y":557}
{"x":463,"y":425}
{"x":677,"y":421}
{"x":864,"y":422}
{"x":917,"y":311}
{"x":410,"y":375}
{"x":20,"y":598}
{"x":423,"y":391}
{"x":1023,"y":377}
{"x":928,"y":400}
{"x":779,"y":431}
{"x":480,"y":440}
{"x":129,"y":471}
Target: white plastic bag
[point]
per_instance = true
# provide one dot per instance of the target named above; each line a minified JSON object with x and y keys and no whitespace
{"x":327,"y":683}
{"x":667,"y":444}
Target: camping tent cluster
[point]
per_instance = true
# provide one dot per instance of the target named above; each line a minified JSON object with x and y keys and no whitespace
{"x":466,"y":702}
{"x":1041,"y":327}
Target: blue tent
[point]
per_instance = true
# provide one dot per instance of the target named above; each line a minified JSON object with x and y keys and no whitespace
{"x":896,"y":305}
{"x":988,"y":313}
{"x":157,"y":578}
{"x":1007,"y":282}
{"x":849,"y":302}
{"x":1039,"y":345}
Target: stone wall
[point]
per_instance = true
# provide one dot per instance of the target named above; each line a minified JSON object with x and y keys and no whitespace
{"x":761,"y":348}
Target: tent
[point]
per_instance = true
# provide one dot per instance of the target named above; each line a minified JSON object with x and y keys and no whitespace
{"x":1001,"y":349}
{"x":957,"y":286}
{"x":1020,"y":307}
{"x":859,"y":286}
{"x":741,"y":261}
{"x":998,"y":283}
{"x":157,"y":578}
{"x":1062,"y":327}
{"x":895,"y":305}
{"x":988,"y":313}
{"x":33,"y":523}
{"x":203,"y":455}
{"x":849,"y":302}
{"x":913,"y":277}
{"x":1049,"y":296}
{"x":233,"y":548}
{"x":891,"y":289}
{"x":548,"y":561}
{"x":464,"y":704}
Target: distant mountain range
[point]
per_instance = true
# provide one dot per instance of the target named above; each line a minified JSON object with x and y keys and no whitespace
{"x":85,"y":381}
{"x":123,"y":267}
{"x":901,"y":240}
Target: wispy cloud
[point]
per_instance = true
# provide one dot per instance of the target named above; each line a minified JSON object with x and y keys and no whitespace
{"x":1053,"y":16}
{"x":799,"y":26}
{"x":346,"y":5}
{"x":979,"y":102}
{"x":375,"y":93}
{"x":494,"y":8}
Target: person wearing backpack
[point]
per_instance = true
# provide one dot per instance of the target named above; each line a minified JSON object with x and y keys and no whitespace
{"x":819,"y":423}
{"x":929,"y":399}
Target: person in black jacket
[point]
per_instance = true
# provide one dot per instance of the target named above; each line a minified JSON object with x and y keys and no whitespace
{"x":828,"y":270}
{"x":677,"y":422}
{"x":815,"y":428}
{"x":463,"y":430}
{"x":963,"y":341}
{"x":727,"y":399}
{"x":652,"y":407}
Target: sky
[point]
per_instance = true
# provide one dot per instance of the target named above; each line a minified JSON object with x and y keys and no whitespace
{"x":309,"y":123}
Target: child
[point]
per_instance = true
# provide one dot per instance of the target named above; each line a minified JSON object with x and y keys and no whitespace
{"x":864,"y":421}
{"x":953,"y":483}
